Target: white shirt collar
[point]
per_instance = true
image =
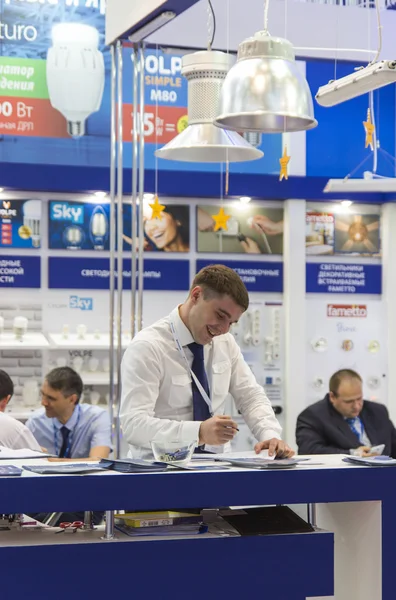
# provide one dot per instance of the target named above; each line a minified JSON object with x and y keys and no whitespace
{"x":182,"y":331}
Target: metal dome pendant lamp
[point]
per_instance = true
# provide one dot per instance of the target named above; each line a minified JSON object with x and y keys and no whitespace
{"x":265,"y":91}
{"x":202,"y":141}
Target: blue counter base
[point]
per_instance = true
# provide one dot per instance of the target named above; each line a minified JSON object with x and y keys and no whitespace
{"x":283,"y":567}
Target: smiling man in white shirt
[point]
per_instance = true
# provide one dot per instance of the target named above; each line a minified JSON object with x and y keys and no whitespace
{"x":177,"y":373}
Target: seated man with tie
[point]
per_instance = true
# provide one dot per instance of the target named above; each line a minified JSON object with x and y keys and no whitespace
{"x":68,"y":429}
{"x":177,"y":373}
{"x":344,"y":423}
{"x":65,"y":427}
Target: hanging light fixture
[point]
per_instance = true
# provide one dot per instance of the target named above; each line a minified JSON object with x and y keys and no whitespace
{"x":201,"y":141}
{"x":265,"y":91}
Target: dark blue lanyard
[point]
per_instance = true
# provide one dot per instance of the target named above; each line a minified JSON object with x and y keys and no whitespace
{"x":70,"y":438}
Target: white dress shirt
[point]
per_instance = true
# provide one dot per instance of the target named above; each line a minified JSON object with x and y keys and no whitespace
{"x":156,"y":401}
{"x":15,"y":435}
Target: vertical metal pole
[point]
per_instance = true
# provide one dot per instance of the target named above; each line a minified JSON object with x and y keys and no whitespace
{"x":311,"y":515}
{"x":119,"y":237}
{"x":112,"y":242}
{"x":109,"y":526}
{"x":141,"y":194}
{"x":134,"y":188}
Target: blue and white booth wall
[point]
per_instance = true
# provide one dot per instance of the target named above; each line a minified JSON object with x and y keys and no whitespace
{"x":346,"y":322}
{"x":61,"y":281}
{"x":41,"y":147}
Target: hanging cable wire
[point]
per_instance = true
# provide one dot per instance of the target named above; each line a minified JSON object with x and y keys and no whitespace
{"x":379,"y":30}
{"x":266,"y":7}
{"x":211,"y":22}
{"x":375,"y":146}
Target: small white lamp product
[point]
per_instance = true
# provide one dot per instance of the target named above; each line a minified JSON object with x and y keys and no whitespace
{"x":20,"y":325}
{"x":94,"y":397}
{"x":93,"y":364}
{"x":1,"y":325}
{"x":78,"y":362}
{"x":98,"y":228}
{"x":30,"y":393}
{"x":32,"y":220}
{"x":65,"y":331}
{"x":75,"y":73}
{"x":81,"y":331}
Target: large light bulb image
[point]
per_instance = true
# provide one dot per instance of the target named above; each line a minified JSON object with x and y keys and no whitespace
{"x":32,"y":220}
{"x":74,"y":237}
{"x":98,"y":228}
{"x":75,"y":73}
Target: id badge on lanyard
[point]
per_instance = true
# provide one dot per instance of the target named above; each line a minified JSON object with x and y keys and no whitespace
{"x":195,"y":378}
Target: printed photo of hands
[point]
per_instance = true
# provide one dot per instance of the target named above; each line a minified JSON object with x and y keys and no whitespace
{"x":250,"y":230}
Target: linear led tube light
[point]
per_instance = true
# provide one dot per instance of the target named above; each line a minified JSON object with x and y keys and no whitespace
{"x":152,"y":26}
{"x":377,"y":185}
{"x":360,"y":82}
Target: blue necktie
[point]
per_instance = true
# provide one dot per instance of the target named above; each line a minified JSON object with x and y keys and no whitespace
{"x":352,"y":424}
{"x":201,"y":409}
{"x":65,"y":438}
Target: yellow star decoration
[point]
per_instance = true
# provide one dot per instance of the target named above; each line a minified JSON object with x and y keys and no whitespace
{"x":284,"y":161}
{"x":369,"y":128}
{"x":221,"y":220}
{"x":157,"y":209}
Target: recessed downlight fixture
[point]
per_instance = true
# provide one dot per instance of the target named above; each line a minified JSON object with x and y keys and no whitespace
{"x":346,"y":203}
{"x":244,"y":199}
{"x":100,"y":194}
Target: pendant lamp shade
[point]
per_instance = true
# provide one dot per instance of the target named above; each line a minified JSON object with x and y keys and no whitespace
{"x":265,"y":91}
{"x":201,"y":141}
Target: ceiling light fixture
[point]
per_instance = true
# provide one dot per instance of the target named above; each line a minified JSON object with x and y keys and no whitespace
{"x":265,"y":91}
{"x":360,"y":82}
{"x":152,"y":26}
{"x":244,"y":199}
{"x":346,"y":203}
{"x":369,"y":184}
{"x":201,"y":141}
{"x":100,"y":194}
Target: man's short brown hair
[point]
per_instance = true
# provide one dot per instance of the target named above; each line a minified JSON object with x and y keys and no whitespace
{"x":219,"y":280}
{"x":337,"y":378}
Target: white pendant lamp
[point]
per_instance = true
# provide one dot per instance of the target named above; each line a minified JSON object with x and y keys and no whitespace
{"x":201,"y":141}
{"x":265,"y":91}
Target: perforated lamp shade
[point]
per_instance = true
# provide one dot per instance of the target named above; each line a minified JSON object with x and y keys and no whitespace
{"x":265,"y":91}
{"x":201,"y":141}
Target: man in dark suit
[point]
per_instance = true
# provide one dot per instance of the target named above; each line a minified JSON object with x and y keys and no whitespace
{"x":344,"y":423}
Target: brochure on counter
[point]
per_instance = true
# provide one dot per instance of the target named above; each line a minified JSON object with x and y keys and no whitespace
{"x":371,"y":461}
